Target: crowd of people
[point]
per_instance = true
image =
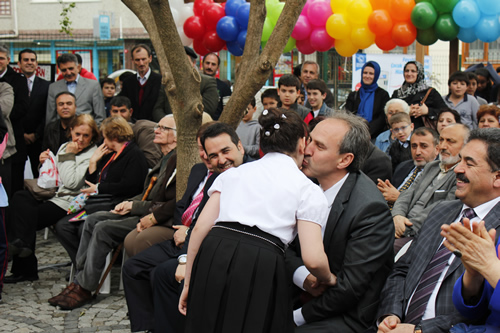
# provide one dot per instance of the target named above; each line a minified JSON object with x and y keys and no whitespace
{"x":389,"y":222}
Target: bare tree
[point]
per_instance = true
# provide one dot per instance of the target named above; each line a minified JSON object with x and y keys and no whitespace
{"x":182,"y":80}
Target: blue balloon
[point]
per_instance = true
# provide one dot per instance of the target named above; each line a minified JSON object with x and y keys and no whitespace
{"x":242,"y":15}
{"x":227,"y":28}
{"x":234,"y":48}
{"x":467,"y":35}
{"x":466,"y":14}
{"x":232,"y":6}
{"x":489,"y":7}
{"x":242,"y":37}
{"x":488,"y":29}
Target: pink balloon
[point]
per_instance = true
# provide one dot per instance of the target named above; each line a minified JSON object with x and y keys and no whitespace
{"x":306,"y":7}
{"x":318,"y":12}
{"x":304,"y":46}
{"x":321,"y":40}
{"x":302,"y":28}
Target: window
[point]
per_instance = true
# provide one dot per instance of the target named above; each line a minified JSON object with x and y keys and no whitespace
{"x":5,"y":8}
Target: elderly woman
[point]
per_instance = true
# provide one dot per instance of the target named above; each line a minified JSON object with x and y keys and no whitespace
{"x":386,"y":138}
{"x":29,"y":214}
{"x":446,"y":117}
{"x":488,"y":116}
{"x":414,"y":90}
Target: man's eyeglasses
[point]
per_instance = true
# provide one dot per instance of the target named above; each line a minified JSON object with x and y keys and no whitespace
{"x":163,"y":128}
{"x":399,"y":129}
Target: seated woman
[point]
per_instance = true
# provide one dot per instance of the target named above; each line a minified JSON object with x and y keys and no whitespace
{"x":29,"y":214}
{"x":385,"y":139}
{"x":488,"y":116}
{"x":447,"y":116}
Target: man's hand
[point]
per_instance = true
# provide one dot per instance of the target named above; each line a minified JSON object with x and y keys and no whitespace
{"x":122,"y":208}
{"x":29,"y":138}
{"x":388,"y":324}
{"x":180,"y":234}
{"x":313,"y":287}
{"x":146,"y":222}
{"x":400,"y":224}
{"x":180,"y":272}
{"x":390,"y":193}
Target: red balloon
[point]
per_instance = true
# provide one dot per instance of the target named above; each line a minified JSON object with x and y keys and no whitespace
{"x":212,"y":42}
{"x":212,"y":14}
{"x":400,"y":10}
{"x":199,"y":6}
{"x":304,"y":46}
{"x":385,"y":42}
{"x":380,"y":22}
{"x":199,"y":48}
{"x":404,"y":33}
{"x":194,"y":27}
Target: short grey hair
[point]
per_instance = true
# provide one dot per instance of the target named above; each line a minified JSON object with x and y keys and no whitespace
{"x":310,"y":62}
{"x":404,"y":105}
{"x":465,"y":128}
{"x":65,"y":58}
{"x":5,"y":49}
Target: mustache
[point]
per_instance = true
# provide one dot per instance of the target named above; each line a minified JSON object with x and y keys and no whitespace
{"x":462,"y":178}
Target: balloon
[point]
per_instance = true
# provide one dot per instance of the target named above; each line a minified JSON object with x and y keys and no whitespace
{"x":290,"y":45}
{"x":345,"y":47}
{"x":446,"y":29}
{"x":362,"y":37}
{"x":419,"y":1}
{"x":184,"y":39}
{"x":242,"y":37}
{"x":302,"y":28}
{"x":423,"y":15}
{"x":467,"y":35}
{"x":400,"y":10}
{"x":379,"y":4}
{"x":274,"y":12}
{"x":338,"y":27}
{"x":232,"y":6}
{"x":212,"y":42}
{"x":427,"y":36}
{"x":358,"y":11}
{"x":384,"y":42}
{"x":199,"y":48}
{"x":403,"y":34}
{"x":212,"y":14}
{"x":200,"y":5}
{"x":444,"y":6}
{"x":487,"y":29}
{"x":304,"y":46}
{"x":339,"y":6}
{"x":489,"y":7}
{"x":305,"y":8}
{"x":466,"y":14}
{"x":194,"y":27}
{"x":267,"y":29}
{"x":175,"y":15}
{"x":227,"y":28}
{"x":242,"y":15}
{"x":183,"y":13}
{"x":318,"y":12}
{"x":234,"y":48}
{"x":380,"y":22}
{"x":320,"y":40}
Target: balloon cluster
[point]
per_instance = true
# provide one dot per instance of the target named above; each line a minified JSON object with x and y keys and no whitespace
{"x":477,"y":19}
{"x":273,"y":10}
{"x":232,"y":28}
{"x":180,"y":13}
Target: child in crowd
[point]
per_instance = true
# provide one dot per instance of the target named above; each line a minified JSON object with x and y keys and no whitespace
{"x":302,"y":97}
{"x":249,"y":131}
{"x":459,"y":100}
{"x":316,"y":94}
{"x":270,"y":98}
{"x":385,"y":139}
{"x":288,"y":91}
{"x":108,"y":87}
{"x":401,"y":127}
{"x":472,"y":87}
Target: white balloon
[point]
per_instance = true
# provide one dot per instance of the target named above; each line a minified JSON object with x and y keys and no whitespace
{"x":175,"y":15}
{"x":185,"y":40}
{"x":184,"y":13}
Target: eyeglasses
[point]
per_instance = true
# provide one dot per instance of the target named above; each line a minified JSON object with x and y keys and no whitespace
{"x":399,"y":129}
{"x":163,"y":128}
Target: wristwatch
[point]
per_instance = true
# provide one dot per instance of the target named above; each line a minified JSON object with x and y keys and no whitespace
{"x":182,"y":259}
{"x":418,"y":329}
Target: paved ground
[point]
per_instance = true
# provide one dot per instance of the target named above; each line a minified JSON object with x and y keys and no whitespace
{"x":25,"y":309}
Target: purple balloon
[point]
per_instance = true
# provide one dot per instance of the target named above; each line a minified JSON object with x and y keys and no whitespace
{"x":228,"y":28}
{"x":318,"y":12}
{"x":302,"y":28}
{"x":321,"y":40}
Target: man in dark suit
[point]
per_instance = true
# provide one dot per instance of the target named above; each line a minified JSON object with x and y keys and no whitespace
{"x":34,"y":121}
{"x":142,"y":89}
{"x":88,"y":92}
{"x":478,"y":189}
{"x":357,"y":237}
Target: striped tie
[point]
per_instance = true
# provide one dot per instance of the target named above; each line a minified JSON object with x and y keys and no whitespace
{"x":429,"y":279}
{"x":407,"y":184}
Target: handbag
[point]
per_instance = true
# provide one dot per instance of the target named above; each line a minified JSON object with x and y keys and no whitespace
{"x":39,"y":193}
{"x":49,"y":175}
{"x":428,"y":122}
{"x":99,"y":202}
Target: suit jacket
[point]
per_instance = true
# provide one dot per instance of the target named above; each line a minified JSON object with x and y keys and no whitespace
{"x":144,"y":135}
{"x":358,"y":241}
{"x":88,"y":99}
{"x":401,"y":172}
{"x":445,"y":190}
{"x":34,"y":121}
{"x":408,"y":270}
{"x":377,"y":165}
{"x":152,"y":87}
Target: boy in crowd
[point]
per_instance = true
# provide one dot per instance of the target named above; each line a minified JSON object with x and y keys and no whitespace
{"x":108,"y":87}
{"x":288,"y":91}
{"x":249,"y":131}
{"x":316,"y":94}
{"x":269,"y":98}
{"x":472,"y":87}
{"x":401,"y":127}
{"x":460,"y":101}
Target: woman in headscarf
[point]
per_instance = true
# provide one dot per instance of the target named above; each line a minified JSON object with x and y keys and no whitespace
{"x":413,"y":91}
{"x":369,"y":101}
{"x":484,"y":85}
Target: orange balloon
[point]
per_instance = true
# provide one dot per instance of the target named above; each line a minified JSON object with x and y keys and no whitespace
{"x":380,"y":4}
{"x":385,"y":42}
{"x":380,"y":22}
{"x":400,"y":10}
{"x":404,"y":33}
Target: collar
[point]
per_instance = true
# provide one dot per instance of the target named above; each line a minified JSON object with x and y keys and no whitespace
{"x":332,"y":192}
{"x":32,"y":77}
{"x":483,"y":209}
{"x":4,"y":72}
{"x":76,"y":80}
{"x":449,"y":94}
{"x":146,"y":77}
{"x":443,"y":170}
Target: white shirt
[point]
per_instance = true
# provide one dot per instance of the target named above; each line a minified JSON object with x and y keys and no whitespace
{"x":271,"y":194}
{"x":144,"y":79}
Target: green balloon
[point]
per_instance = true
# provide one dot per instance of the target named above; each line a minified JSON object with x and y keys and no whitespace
{"x":419,"y":1}
{"x":444,"y":6}
{"x":274,"y":12}
{"x":290,"y":45}
{"x":267,"y":29}
{"x":427,"y":36}
{"x":423,"y":15}
{"x":446,"y":29}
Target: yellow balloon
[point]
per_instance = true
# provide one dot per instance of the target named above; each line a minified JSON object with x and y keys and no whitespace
{"x":345,"y":47}
{"x":339,"y":6}
{"x":358,"y":11}
{"x":338,"y":27}
{"x":362,"y":37}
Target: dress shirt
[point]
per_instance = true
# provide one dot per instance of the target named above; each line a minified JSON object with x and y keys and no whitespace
{"x":72,"y":85}
{"x":2,"y":74}
{"x":30,"y":80}
{"x":143,"y":80}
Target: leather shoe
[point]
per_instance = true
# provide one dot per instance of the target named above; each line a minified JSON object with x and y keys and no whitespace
{"x":19,"y":248}
{"x":55,"y":300}
{"x":19,"y":278}
{"x":75,"y":298}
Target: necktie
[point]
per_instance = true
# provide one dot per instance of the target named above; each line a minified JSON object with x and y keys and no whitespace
{"x":141,"y":91}
{"x":407,"y":184}
{"x":187,"y":216}
{"x":429,"y":279}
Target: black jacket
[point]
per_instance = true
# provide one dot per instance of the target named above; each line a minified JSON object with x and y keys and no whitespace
{"x":434,"y":102}
{"x":378,"y":123}
{"x":152,"y":88}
